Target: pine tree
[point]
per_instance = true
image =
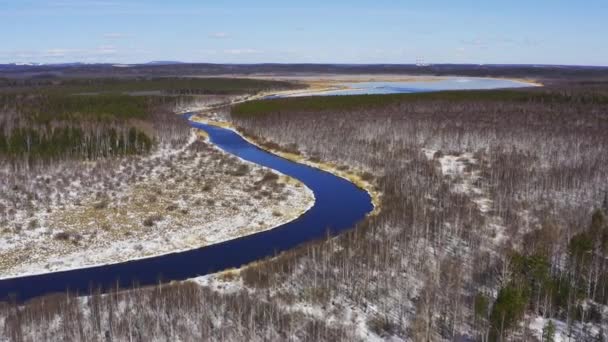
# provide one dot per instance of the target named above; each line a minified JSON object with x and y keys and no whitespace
{"x":549,"y":332}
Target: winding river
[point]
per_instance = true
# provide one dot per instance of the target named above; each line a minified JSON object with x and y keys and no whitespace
{"x":339,"y":205}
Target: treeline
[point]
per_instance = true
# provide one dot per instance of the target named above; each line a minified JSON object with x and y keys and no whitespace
{"x":72,"y":142}
{"x":165,"y":85}
{"x":579,"y":95}
{"x":42,"y":128}
{"x":38,"y":108}
{"x":43,"y":119}
{"x":176,"y":312}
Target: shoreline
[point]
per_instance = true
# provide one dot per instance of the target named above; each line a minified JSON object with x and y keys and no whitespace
{"x":337,"y":80}
{"x":322,"y":87}
{"x":157,"y":255}
{"x":528,"y":81}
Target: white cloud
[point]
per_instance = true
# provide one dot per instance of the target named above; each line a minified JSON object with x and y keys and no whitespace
{"x":241,"y":51}
{"x":19,"y":54}
{"x":57,"y":53}
{"x":115,"y":35}
{"x":105,"y":50}
{"x":219,"y":35}
{"x":486,"y":42}
{"x":531,"y":42}
{"x":31,"y":8}
{"x":476,"y":42}
{"x":102,"y":52}
{"x":81,"y":3}
{"x":208,"y":52}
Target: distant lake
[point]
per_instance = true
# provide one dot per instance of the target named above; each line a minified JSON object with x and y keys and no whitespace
{"x":440,"y":84}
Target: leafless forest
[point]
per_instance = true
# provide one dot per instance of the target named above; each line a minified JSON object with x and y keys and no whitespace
{"x":493,"y":213}
{"x":533,"y":170}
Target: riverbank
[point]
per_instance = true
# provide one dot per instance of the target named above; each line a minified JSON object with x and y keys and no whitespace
{"x":360,"y":179}
{"x":180,"y":200}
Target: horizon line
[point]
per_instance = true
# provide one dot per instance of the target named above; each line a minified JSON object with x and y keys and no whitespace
{"x":169,"y":62}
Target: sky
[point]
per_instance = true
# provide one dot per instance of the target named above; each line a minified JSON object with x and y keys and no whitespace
{"x":314,"y":31}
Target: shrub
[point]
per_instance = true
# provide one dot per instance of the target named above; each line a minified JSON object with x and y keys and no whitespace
{"x":253,"y":277}
{"x":152,"y":219}
{"x":62,"y":236}
{"x":342,"y":167}
{"x":366,"y":176}
{"x":103,"y":204}
{"x":75,"y":237}
{"x":315,"y":159}
{"x":269,"y":176}
{"x":33,"y":224}
{"x":228,"y":275}
{"x":242,"y":170}
{"x":382,"y":326}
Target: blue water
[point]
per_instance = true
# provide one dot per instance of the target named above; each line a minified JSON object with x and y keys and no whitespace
{"x":449,"y":83}
{"x":339,"y":205}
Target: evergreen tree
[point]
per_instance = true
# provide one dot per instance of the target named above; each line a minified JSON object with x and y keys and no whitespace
{"x":549,"y":332}
{"x":508,"y":309}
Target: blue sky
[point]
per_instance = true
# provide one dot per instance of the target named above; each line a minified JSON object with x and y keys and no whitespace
{"x":315,"y":31}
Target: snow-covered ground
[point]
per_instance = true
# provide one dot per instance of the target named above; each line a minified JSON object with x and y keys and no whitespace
{"x":462,"y":169}
{"x":563,"y":333}
{"x":340,"y":310}
{"x":176,"y":199}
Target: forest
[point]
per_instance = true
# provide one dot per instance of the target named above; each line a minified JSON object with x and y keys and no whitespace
{"x":492,"y":220}
{"x":44,"y":120}
{"x":523,"y":221}
{"x":162,"y":85}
